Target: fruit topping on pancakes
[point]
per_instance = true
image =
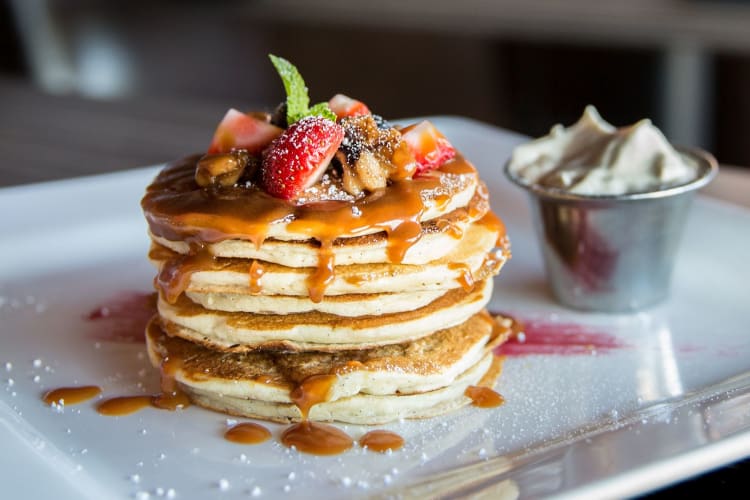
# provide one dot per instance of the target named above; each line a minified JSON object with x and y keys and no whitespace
{"x":339,"y":142}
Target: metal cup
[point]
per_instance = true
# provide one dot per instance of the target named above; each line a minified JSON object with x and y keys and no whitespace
{"x":612,"y":253}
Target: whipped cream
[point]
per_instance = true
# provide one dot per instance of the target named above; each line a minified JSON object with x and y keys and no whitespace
{"x":594,"y":158}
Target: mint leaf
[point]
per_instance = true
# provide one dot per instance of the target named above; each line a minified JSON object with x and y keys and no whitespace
{"x":297,"y":99}
{"x":322,"y":109}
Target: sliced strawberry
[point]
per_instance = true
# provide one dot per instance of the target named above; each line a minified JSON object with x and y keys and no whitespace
{"x":298,"y":157}
{"x":430,"y":148}
{"x":345,"y":106}
{"x":239,"y":130}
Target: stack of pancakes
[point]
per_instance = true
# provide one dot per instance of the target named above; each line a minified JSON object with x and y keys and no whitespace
{"x":384,"y":295}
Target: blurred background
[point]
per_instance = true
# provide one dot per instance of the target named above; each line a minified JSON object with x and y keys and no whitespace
{"x":164,"y":72}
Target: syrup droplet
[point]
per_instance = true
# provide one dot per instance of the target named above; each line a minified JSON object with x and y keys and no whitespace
{"x":255,"y":274}
{"x":316,"y":439}
{"x":311,"y":391}
{"x":483,"y":397}
{"x":381,"y":441}
{"x":123,"y":405}
{"x":71,"y":395}
{"x":247,"y":433}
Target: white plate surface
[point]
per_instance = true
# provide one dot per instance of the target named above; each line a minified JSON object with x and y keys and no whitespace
{"x":670,"y":402}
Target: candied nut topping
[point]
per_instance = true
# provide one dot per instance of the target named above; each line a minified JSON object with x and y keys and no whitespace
{"x":371,"y":155}
{"x":223,"y":169}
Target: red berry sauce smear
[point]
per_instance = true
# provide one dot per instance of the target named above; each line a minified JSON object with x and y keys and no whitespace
{"x":543,"y":337}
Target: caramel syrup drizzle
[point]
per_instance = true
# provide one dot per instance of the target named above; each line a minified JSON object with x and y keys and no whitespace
{"x":465,"y":277}
{"x":170,"y":398}
{"x":174,"y":277}
{"x":313,"y":437}
{"x":255,"y":274}
{"x":178,"y":210}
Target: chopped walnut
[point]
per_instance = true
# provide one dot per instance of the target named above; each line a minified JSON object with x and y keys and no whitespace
{"x":223,"y":169}
{"x":370,"y":155}
{"x":370,"y":171}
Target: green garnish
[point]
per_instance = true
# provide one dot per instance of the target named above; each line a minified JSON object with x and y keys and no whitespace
{"x":297,"y":100}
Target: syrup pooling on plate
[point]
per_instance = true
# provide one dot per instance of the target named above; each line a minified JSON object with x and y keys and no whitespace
{"x":247,"y":433}
{"x":316,"y":439}
{"x":483,"y":397}
{"x":381,"y":441}
{"x":71,"y":395}
{"x":123,"y":405}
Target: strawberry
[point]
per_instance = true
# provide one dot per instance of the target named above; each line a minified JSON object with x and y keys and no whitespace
{"x":430,"y":148}
{"x":297,"y":158}
{"x":241,"y":131}
{"x":345,"y":106}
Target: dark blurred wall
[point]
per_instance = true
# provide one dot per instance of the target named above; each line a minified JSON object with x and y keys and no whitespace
{"x":206,"y":51}
{"x":12,"y":61}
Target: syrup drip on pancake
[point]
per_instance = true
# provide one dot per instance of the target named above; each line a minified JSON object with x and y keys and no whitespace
{"x":174,"y":277}
{"x":313,"y":390}
{"x":255,"y":274}
{"x":312,"y":437}
{"x":465,"y":277}
{"x":171,"y":397}
{"x":323,"y":275}
{"x":450,"y":228}
{"x":71,"y":395}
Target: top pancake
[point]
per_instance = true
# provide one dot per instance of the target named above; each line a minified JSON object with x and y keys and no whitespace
{"x":241,"y":221}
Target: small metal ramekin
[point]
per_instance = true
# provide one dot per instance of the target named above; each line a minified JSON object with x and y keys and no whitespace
{"x":613,"y":253}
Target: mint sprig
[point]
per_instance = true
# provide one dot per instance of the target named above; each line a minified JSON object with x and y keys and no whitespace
{"x":297,"y":100}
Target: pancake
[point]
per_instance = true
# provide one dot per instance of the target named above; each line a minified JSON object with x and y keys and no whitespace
{"x":475,"y":254}
{"x":436,"y":239}
{"x":352,"y":305}
{"x":238,"y":332}
{"x":177,"y":209}
{"x":411,"y":380}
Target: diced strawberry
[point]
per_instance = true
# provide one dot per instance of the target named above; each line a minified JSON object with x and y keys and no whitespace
{"x":430,"y":148}
{"x":298,"y":157}
{"x":345,"y":106}
{"x":239,"y":130}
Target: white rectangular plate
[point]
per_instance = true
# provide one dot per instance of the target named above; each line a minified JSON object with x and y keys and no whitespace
{"x":668,"y":401}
